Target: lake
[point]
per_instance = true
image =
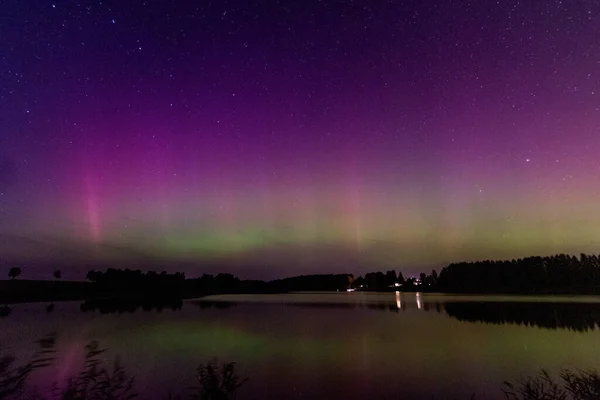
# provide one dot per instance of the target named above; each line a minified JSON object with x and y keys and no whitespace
{"x":325,"y":345}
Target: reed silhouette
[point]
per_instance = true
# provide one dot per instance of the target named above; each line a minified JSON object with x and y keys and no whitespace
{"x":99,"y":381}
{"x":571,"y":385}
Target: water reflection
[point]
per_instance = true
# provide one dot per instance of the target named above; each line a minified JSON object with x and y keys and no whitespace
{"x":575,"y":316}
{"x":579,"y":317}
{"x":280,"y":339}
{"x":110,"y":306}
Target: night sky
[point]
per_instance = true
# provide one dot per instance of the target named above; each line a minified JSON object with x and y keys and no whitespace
{"x":273,"y":138}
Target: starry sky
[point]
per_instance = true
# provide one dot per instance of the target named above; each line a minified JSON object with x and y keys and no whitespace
{"x":272,"y":138}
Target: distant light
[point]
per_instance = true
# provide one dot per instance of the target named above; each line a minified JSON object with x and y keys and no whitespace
{"x":350,"y":290}
{"x":396,"y":284}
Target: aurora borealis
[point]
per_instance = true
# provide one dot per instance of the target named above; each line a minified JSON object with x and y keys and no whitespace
{"x":278,"y":138}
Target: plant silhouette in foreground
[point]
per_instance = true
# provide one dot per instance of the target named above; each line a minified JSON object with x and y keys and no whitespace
{"x":98,"y":382}
{"x":13,"y":379}
{"x":217,"y":383}
{"x":220,"y":382}
{"x":95,"y":382}
{"x":573,"y":385}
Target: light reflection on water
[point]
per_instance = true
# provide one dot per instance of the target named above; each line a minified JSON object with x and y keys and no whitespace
{"x":325,"y":345}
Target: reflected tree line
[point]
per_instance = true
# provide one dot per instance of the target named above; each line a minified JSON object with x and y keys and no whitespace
{"x":574,"y":316}
{"x":580,"y":317}
{"x":128,"y":305}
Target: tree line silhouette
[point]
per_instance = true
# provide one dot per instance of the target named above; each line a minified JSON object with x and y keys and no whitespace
{"x":390,"y":281}
{"x":557,"y":274}
{"x":150,"y":286}
{"x":126,"y":282}
{"x":553,"y":274}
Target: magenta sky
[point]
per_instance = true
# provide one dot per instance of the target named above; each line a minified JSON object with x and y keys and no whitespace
{"x":272,"y":139}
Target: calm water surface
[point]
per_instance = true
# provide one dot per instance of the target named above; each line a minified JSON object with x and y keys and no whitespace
{"x":318,"y":345}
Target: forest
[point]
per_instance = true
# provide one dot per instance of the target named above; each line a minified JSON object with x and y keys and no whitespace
{"x":557,"y":274}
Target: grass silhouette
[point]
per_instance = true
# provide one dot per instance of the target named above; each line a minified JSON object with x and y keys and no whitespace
{"x":97,"y":381}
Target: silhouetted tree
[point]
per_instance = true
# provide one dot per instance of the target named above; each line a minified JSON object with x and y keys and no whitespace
{"x":351,"y":280}
{"x":390,"y":278}
{"x":375,"y":280}
{"x":400,"y":278}
{"x":14,"y":272}
{"x":57,"y":274}
{"x":93,"y":276}
{"x":359,"y":282}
